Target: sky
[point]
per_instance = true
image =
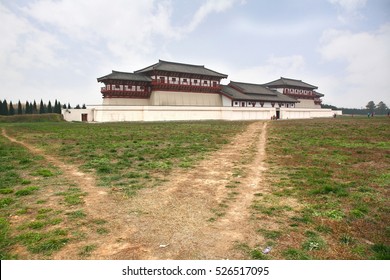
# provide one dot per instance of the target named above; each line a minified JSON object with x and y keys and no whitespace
{"x":56,"y":49}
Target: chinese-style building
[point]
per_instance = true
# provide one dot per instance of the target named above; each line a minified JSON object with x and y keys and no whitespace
{"x":303,"y":92}
{"x":177,"y":91}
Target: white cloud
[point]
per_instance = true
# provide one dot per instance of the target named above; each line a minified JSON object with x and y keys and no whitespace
{"x":210,"y":6}
{"x":349,"y":9}
{"x":274,"y":68}
{"x":366,"y":57}
{"x":118,"y":25}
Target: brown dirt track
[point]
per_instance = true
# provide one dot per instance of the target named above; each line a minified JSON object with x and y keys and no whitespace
{"x":178,"y":219}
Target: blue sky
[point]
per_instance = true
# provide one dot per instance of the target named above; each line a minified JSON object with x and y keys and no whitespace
{"x":57,"y":49}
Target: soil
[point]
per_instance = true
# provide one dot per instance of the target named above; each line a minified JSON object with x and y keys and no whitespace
{"x":193,"y":215}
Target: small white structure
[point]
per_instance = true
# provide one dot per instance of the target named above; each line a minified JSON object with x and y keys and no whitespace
{"x":168,"y":91}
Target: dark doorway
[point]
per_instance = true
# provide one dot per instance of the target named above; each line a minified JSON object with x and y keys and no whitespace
{"x":84,"y":117}
{"x":277,"y":114}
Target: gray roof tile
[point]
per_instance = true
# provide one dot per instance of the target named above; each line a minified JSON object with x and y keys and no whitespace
{"x":116,"y":75}
{"x":181,"y":68}
{"x":286,"y":82}
{"x":237,"y":95}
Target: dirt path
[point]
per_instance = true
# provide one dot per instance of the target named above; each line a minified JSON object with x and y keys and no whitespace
{"x":194,"y":215}
{"x":98,"y":203}
{"x":201,"y":213}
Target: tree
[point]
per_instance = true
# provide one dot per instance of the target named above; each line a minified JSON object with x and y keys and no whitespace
{"x":77,"y":107}
{"x":84,"y":107}
{"x":381,"y":108}
{"x":370,"y":106}
{"x":20,"y":109}
{"x":58,"y":111}
{"x":64,"y":106}
{"x":34,"y":108}
{"x":41,"y":108}
{"x":49,"y":108}
{"x":11,"y":109}
{"x":69,"y":107}
{"x":2,"y":111}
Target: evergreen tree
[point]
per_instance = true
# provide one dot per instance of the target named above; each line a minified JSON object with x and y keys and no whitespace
{"x":34,"y":108}
{"x":58,"y":111}
{"x":20,"y":109}
{"x":64,"y":106}
{"x":69,"y":106}
{"x":56,"y":106}
{"x":84,"y":107}
{"x":11,"y":109}
{"x":77,"y":107}
{"x":2,"y":111}
{"x":41,"y":108}
{"x":49,"y":108}
{"x":27,"y":109}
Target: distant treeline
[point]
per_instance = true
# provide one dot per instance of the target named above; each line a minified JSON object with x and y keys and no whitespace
{"x":378,"y":109}
{"x":9,"y":109}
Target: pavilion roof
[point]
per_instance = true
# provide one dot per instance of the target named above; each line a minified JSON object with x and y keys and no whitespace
{"x":286,"y":82}
{"x":116,"y":75}
{"x":181,"y":68}
{"x":235,"y":94}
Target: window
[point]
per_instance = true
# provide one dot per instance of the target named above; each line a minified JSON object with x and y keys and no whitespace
{"x":117,"y":86}
{"x":173,"y":79}
{"x":162,"y":80}
{"x":185,"y":81}
{"x":195,"y":81}
{"x":205,"y":82}
{"x":214,"y":84}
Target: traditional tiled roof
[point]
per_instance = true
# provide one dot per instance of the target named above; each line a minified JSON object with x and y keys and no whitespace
{"x":181,"y":68}
{"x":252,"y":88}
{"x":318,"y":94}
{"x":286,"y":82}
{"x":115,"y":75}
{"x":235,"y":94}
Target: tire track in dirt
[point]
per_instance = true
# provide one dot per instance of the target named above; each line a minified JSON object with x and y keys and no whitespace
{"x":172,"y":221}
{"x":98,"y":203}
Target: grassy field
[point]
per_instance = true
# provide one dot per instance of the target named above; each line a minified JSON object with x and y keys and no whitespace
{"x":124,"y":157}
{"x":328,"y":182}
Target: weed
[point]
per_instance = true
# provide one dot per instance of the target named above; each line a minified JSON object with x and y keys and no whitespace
{"x":258,"y":255}
{"x":102,"y":230}
{"x":26,"y":191}
{"x":87,"y":250}
{"x":270,"y":234}
{"x":347,"y":239}
{"x":6,"y":191}
{"x":78,"y":214}
{"x":5,"y":202}
{"x":44,"y":173}
{"x":295,"y":254}
{"x":381,"y":251}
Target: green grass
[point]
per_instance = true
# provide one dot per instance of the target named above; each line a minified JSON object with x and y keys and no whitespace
{"x":121,"y":152}
{"x":337,"y":170}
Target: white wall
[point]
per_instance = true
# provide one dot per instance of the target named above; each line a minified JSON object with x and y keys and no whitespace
{"x":172,"y":98}
{"x":126,"y":101}
{"x":74,"y":115}
{"x":175,"y":113}
{"x":307,"y":103}
{"x":301,"y":113}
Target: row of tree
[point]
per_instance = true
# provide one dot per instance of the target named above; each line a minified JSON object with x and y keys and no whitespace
{"x":371,"y":108}
{"x":9,"y":109}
